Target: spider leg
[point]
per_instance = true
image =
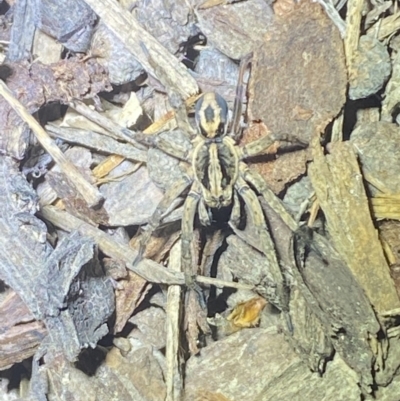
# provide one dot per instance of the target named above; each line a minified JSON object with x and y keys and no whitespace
{"x":189,"y":210}
{"x":235,"y":214}
{"x":157,"y":141}
{"x":259,"y":145}
{"x":162,"y":208}
{"x":240,"y":91}
{"x":256,"y":180}
{"x":181,"y":113}
{"x":204,"y":215}
{"x":279,"y":297}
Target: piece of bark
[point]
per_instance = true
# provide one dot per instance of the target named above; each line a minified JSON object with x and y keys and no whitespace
{"x":37,"y":84}
{"x":129,"y":293}
{"x":377,"y":148}
{"x":338,"y":383}
{"x":150,"y":325}
{"x":353,"y":28}
{"x":301,"y":36}
{"x":298,"y":43}
{"x":136,"y":374}
{"x":370,"y":68}
{"x":389,"y":233}
{"x":112,"y":53}
{"x":170,"y":24}
{"x":20,"y":333}
{"x":338,"y":184}
{"x":309,"y":334}
{"x":263,"y":378}
{"x":46,"y":49}
{"x":336,"y":298}
{"x":386,"y":206}
{"x":164,"y":170}
{"x":23,"y":29}
{"x":71,"y":22}
{"x":217,"y":73}
{"x":235,"y":29}
{"x":132,"y":199}
{"x":392,"y":90}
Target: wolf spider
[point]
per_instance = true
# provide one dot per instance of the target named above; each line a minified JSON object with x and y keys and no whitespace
{"x":216,"y":177}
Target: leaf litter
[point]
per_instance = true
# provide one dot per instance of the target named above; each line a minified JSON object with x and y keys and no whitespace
{"x":109,"y":85}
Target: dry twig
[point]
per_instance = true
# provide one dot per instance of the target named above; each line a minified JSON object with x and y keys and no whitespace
{"x":174,"y":379}
{"x":89,"y":192}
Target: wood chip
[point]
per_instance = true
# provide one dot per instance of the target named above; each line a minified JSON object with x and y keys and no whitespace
{"x":338,"y":184}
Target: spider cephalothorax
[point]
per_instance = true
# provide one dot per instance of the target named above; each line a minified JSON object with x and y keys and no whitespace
{"x":215,"y":177}
{"x":215,"y":161}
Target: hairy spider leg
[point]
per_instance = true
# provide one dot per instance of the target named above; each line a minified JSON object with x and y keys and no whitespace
{"x":259,"y":184}
{"x":258,"y":146}
{"x":257,"y":181}
{"x":235,"y":213}
{"x":189,"y":211}
{"x":278,"y":297}
{"x":171,"y":150}
{"x":161,"y":209}
{"x":204,"y":213}
{"x":235,"y":130}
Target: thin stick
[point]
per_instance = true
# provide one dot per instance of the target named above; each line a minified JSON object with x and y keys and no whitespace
{"x":353,"y":24}
{"x":116,"y":131}
{"x":89,"y":192}
{"x":174,"y":380}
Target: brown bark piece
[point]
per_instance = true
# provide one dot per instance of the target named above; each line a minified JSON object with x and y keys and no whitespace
{"x":389,"y":232}
{"x":378,"y":150}
{"x":37,"y":84}
{"x":235,"y":29}
{"x":285,"y":169}
{"x":137,"y":374}
{"x":298,"y":79}
{"x":73,"y":202}
{"x":127,"y":298}
{"x":338,"y":184}
{"x":20,"y":333}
